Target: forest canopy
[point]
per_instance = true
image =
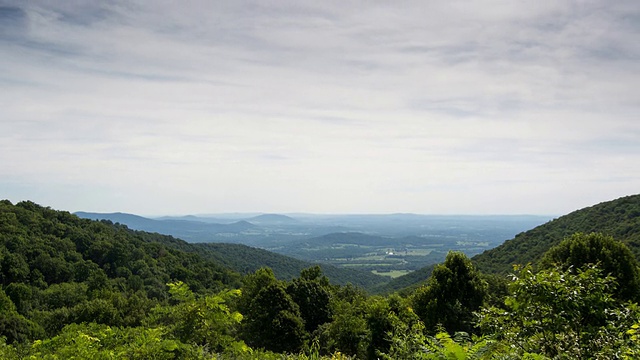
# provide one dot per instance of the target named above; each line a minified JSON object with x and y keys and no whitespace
{"x":89,"y":289}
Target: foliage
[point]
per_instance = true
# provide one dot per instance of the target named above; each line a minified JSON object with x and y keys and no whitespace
{"x":561,"y":314}
{"x":58,"y":269}
{"x":452,"y":294}
{"x":613,"y":257}
{"x":272,"y":318}
{"x":202,"y":320}
{"x":412,"y":343}
{"x":93,"y":341}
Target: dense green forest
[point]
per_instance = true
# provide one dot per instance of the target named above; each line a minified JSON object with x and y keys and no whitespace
{"x":78,"y":288}
{"x":619,"y":218}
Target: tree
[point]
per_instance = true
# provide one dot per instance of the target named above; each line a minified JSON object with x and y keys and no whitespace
{"x":453,"y":292}
{"x":251,"y":286}
{"x":557,"y":312}
{"x":200,"y":320}
{"x":13,"y":326}
{"x":273,"y":321}
{"x":383,"y":316}
{"x":612,"y":257}
{"x":348,"y":331}
{"x":312,"y":293}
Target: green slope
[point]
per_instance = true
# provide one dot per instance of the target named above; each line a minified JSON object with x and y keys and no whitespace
{"x":57,"y":269}
{"x":43,"y":246}
{"x":245,"y":259}
{"x":405,"y":284}
{"x":619,"y":218}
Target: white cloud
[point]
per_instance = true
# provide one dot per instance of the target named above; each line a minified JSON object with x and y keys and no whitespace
{"x":457,"y":107}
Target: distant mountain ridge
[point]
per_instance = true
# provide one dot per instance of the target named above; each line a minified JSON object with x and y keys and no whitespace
{"x":272,"y":219}
{"x":188,"y":230}
{"x":239,"y":258}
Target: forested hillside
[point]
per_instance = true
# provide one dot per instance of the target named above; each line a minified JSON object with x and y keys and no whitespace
{"x":245,"y":259}
{"x":59,"y":269}
{"x":77,"y":288}
{"x":239,"y":258}
{"x":619,"y":218}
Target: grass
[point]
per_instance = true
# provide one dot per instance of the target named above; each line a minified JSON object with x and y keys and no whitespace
{"x":393,"y":273}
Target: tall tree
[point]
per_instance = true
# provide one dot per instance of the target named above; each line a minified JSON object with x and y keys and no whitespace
{"x":453,"y":292}
{"x":312,"y":292}
{"x":273,"y":321}
{"x":348,"y":332}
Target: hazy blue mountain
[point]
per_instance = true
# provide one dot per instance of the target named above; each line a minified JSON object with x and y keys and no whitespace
{"x":274,"y":219}
{"x":389,"y":245}
{"x":193,"y":231}
{"x":133,"y":221}
{"x":196,"y":218}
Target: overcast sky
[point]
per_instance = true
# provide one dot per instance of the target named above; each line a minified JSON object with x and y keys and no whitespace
{"x":435,"y":107}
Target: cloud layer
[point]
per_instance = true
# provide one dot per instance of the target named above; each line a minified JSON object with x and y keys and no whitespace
{"x":430,"y":107}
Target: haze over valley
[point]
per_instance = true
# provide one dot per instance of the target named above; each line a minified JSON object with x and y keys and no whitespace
{"x":391,"y":245}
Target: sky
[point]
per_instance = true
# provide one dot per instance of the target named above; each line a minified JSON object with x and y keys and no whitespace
{"x":432,"y":107}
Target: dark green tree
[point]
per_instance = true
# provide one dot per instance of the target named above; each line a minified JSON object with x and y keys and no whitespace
{"x":452,"y":294}
{"x":312,"y":292}
{"x":384,"y":315}
{"x":251,"y":286}
{"x":13,"y":326}
{"x":348,"y":332}
{"x":273,"y":321}
{"x":612,"y":257}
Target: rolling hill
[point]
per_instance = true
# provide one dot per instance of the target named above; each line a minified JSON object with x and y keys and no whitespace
{"x":239,"y":258}
{"x":619,"y":218}
{"x":245,"y":259}
{"x":272,"y":219}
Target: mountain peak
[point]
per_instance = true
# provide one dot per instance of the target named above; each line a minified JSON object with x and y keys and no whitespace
{"x":272,"y":219}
